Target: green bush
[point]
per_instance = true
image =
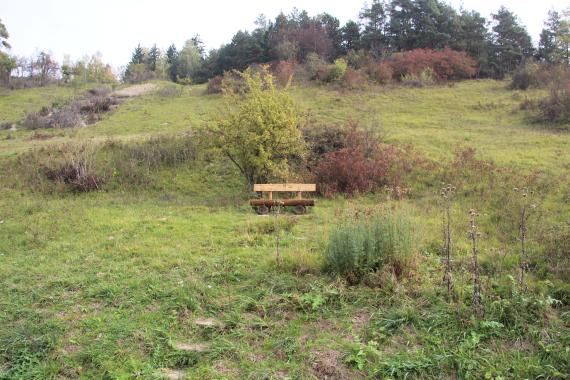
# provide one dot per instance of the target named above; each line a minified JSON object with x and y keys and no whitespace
{"x":361,"y":246}
{"x":426,"y":78}
{"x":337,"y":70}
{"x":525,"y":77}
{"x":314,"y":66}
{"x":246,"y":134}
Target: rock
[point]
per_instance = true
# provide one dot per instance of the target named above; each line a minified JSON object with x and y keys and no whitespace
{"x":208,"y":322}
{"x":195,"y":347}
{"x":172,"y":374}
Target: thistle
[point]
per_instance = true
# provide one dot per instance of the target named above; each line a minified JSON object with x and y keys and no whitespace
{"x":447,"y":193}
{"x":474,"y":234}
{"x":526,"y":207}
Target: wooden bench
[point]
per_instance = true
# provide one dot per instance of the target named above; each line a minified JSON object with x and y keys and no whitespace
{"x":263,"y":205}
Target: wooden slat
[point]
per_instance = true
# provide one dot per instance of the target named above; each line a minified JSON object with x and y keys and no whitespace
{"x":285,"y":187}
{"x":282,"y":202}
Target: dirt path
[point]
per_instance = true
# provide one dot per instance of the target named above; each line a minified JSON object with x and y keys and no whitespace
{"x":136,"y":90}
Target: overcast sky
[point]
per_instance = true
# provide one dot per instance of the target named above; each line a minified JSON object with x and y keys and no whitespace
{"x":115,"y":27}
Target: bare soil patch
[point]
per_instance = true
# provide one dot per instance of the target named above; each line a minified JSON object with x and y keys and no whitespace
{"x":134,"y":91}
{"x":328,"y":365}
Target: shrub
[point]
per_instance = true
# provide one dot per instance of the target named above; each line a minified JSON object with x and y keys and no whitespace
{"x":360,"y":246}
{"x":556,"y":107}
{"x":76,"y":169}
{"x":337,"y":70}
{"x":260,"y":133}
{"x":345,"y":171}
{"x":215,"y":85}
{"x":67,"y":117}
{"x":324,"y":139}
{"x":284,"y":72}
{"x":85,"y":166}
{"x":535,"y":75}
{"x":6,"y":126}
{"x":360,"y":164}
{"x":525,"y":77}
{"x":315,"y":66}
{"x":446,"y":64}
{"x":426,"y":78}
{"x":380,"y":72}
{"x":233,"y":83}
{"x":353,"y":79}
{"x":76,"y":113}
{"x":358,"y":59}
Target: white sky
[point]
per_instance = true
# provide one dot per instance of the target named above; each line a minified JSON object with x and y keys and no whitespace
{"x":115,"y":27}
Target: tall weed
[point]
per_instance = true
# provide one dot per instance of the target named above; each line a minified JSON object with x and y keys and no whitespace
{"x":380,"y":241}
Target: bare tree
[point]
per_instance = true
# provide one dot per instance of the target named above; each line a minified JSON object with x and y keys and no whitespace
{"x":47,"y":68}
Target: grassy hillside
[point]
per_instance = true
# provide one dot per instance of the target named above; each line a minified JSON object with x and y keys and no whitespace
{"x":480,"y":114}
{"x":178,"y":278}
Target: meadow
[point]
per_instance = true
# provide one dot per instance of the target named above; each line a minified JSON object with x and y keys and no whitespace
{"x":178,"y":278}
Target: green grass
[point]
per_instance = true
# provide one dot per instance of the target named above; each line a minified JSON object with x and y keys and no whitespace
{"x":481,"y":114}
{"x":14,"y":105}
{"x":104,"y":285}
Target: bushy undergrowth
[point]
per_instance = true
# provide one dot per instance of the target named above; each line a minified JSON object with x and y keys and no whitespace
{"x":556,"y":107}
{"x":338,"y":70}
{"x":423,"y":79}
{"x":538,"y":75}
{"x":77,"y":112}
{"x":364,"y":244}
{"x":445,"y":64}
{"x":352,"y":161}
{"x":88,"y":166}
{"x":284,"y":71}
{"x":215,"y":85}
{"x":553,"y":109}
{"x":380,"y":72}
{"x":418,"y":68}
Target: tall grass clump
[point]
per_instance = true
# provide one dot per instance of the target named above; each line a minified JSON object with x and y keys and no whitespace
{"x":378,"y":242}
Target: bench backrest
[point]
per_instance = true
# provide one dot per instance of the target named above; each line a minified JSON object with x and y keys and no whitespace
{"x":293,"y":187}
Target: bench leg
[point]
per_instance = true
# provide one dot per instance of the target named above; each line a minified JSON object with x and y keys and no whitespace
{"x":299,"y":209}
{"x":262,"y":210}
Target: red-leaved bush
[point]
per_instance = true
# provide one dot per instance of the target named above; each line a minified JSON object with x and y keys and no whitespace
{"x":215,"y":85}
{"x":283,"y":71}
{"x":446,"y":64}
{"x":380,"y":72}
{"x":363,"y":165}
{"x":353,"y":79}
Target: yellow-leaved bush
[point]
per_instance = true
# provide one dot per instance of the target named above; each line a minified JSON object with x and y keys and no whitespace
{"x":259,"y":130}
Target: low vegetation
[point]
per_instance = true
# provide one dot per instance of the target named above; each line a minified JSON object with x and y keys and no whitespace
{"x":371,"y":244}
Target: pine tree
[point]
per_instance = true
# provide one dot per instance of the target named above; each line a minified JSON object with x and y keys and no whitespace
{"x":172,"y":60}
{"x":138,"y":55}
{"x":153,"y":57}
{"x":374,"y":20}
{"x":197,"y":41}
{"x":350,"y":36}
{"x":511,"y":42}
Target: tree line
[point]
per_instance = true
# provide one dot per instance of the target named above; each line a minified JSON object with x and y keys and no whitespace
{"x":385,"y":27}
{"x":42,"y":68}
{"x":498,"y":45}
